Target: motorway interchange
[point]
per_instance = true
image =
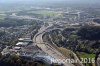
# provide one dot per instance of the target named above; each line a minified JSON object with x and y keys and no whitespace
{"x":46,"y":47}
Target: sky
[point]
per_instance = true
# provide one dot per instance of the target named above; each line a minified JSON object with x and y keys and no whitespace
{"x":74,"y":1}
{"x":50,"y":3}
{"x":95,"y":2}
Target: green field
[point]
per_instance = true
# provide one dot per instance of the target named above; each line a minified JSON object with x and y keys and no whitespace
{"x":45,"y":13}
{"x":86,"y":55}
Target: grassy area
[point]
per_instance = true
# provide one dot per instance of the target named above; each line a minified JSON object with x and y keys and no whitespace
{"x":46,"y":13}
{"x":70,"y":54}
{"x":86,"y":55}
{"x":67,"y":53}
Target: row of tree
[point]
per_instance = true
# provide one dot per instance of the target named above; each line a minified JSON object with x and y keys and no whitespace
{"x":13,"y":60}
{"x":85,"y":39}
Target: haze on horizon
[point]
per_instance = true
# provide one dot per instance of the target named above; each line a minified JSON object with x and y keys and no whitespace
{"x":64,"y":3}
{"x":68,"y":1}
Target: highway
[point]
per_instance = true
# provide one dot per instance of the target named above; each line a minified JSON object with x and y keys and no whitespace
{"x":47,"y":48}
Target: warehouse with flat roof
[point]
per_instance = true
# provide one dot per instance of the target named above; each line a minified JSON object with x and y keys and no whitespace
{"x":22,"y":44}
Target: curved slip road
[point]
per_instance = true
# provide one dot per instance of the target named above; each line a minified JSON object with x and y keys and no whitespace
{"x":47,"y":48}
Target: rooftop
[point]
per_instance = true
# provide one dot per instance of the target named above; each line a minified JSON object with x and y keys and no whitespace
{"x":22,"y":43}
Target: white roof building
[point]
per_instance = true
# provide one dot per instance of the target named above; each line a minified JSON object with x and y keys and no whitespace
{"x":22,"y":43}
{"x":17,"y":48}
{"x":25,"y":40}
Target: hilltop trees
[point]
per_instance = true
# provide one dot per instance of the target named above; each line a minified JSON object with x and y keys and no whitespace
{"x":13,"y":60}
{"x":84,"y":39}
{"x":89,"y":32}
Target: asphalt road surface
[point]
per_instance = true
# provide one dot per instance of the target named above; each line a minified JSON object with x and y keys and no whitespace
{"x":47,"y":48}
